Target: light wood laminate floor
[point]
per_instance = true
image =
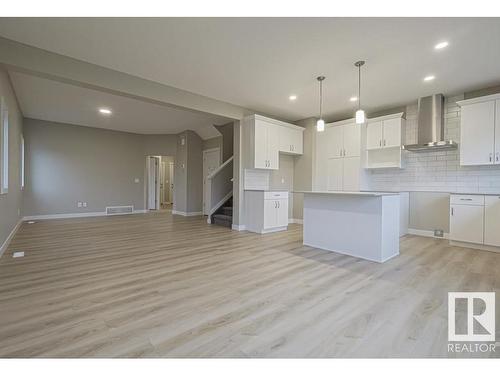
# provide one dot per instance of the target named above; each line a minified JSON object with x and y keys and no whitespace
{"x":154,"y":285}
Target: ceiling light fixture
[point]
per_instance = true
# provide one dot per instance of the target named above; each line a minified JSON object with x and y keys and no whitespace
{"x":429,"y":78}
{"x":105,"y":111}
{"x":354,"y":99}
{"x":320,"y":124}
{"x":360,"y":114}
{"x":292,"y":97}
{"x":441,"y":45}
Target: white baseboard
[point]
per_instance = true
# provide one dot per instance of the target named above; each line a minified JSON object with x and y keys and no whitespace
{"x":295,"y":221}
{"x":426,"y":233}
{"x":476,"y":246}
{"x":77,"y":215}
{"x":9,"y":238}
{"x":238,"y":227}
{"x":183,"y":213}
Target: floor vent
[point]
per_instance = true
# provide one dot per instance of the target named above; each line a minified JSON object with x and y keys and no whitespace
{"x":18,"y":254}
{"x":119,"y":210}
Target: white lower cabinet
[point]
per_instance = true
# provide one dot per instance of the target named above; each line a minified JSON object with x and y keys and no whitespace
{"x":266,"y":211}
{"x":475,"y":219}
{"x":492,"y":220}
{"x":466,"y":223}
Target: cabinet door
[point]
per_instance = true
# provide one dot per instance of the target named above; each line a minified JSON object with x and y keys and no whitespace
{"x":492,"y":220}
{"x":374,"y":135}
{"x":477,"y":132}
{"x":466,"y":223}
{"x":497,"y":133}
{"x":270,"y":214}
{"x":334,"y":136}
{"x":351,"y":174}
{"x":260,"y":146}
{"x":352,"y":140}
{"x":335,"y":174}
{"x":273,"y":146}
{"x":285,"y":139}
{"x":297,"y":141}
{"x":391,"y":135}
{"x":282,"y":213}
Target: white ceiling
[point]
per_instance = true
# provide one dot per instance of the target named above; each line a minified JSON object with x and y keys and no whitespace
{"x":49,"y":100}
{"x":258,"y":62}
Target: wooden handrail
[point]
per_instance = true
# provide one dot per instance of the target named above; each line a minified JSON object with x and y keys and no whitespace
{"x":221,"y":167}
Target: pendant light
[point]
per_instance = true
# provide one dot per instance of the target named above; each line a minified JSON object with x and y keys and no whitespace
{"x":360,"y":114}
{"x":320,"y":124}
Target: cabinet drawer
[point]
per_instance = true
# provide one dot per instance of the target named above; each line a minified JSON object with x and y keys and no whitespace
{"x":276,"y":195}
{"x":468,"y":199}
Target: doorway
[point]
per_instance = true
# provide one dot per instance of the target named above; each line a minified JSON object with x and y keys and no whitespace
{"x":159,"y":182}
{"x":211,"y":161}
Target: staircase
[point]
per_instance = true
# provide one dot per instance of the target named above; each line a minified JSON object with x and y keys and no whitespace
{"x":224,"y":215}
{"x":220,"y":185}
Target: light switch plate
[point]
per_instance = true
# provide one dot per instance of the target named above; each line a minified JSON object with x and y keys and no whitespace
{"x":79,"y":204}
{"x":136,"y":180}
{"x":84,"y":204}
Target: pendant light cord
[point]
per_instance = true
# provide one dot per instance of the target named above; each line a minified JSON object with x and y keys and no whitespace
{"x":321,"y":99}
{"x":359,"y":87}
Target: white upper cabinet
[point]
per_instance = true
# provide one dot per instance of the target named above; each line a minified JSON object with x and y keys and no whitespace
{"x":384,"y":138}
{"x":352,"y":140}
{"x":291,"y":140}
{"x":335,"y":141}
{"x":374,"y":135}
{"x":265,"y":138}
{"x":384,"y":133}
{"x":480,"y":130}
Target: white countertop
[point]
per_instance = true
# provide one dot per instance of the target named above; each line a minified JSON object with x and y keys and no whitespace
{"x":355,"y":193}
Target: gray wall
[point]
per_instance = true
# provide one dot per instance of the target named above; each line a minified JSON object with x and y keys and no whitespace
{"x":69,"y":163}
{"x":11,"y":203}
{"x":429,"y":211}
{"x":227,"y":131}
{"x":188,"y":180}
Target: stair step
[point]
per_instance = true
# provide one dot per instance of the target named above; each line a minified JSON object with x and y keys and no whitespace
{"x":227,"y":211}
{"x":223,"y":217}
{"x":223,"y":220}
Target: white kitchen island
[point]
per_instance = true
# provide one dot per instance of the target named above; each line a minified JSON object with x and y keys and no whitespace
{"x":361,"y":224}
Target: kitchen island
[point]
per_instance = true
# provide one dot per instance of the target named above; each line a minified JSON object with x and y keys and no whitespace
{"x":360,"y":224}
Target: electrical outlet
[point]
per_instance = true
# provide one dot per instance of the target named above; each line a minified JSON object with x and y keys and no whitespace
{"x":84,"y":204}
{"x":282,"y":180}
{"x":136,"y":180}
{"x":79,"y":204}
{"x":438,"y":233}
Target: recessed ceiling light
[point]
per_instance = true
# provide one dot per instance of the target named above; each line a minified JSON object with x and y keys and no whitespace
{"x":354,"y":99}
{"x":441,"y":45}
{"x":292,"y":97}
{"x":105,"y":111}
{"x":429,"y":78}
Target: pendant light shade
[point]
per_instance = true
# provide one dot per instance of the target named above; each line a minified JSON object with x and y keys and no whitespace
{"x":360,"y":114}
{"x":320,"y":124}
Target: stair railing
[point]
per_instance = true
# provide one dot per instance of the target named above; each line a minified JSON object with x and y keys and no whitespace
{"x":220,"y":183}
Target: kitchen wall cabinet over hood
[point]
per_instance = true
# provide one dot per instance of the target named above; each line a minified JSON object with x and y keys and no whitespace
{"x":430,"y":126}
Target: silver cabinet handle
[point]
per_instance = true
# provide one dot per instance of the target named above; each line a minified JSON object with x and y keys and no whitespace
{"x":278,"y":204}
{"x":380,"y":143}
{"x":465,"y":199}
{"x":452,"y":211}
{"x":498,"y":156}
{"x":275,"y":204}
{"x":384,"y":142}
{"x":491,"y":157}
{"x":344,"y":151}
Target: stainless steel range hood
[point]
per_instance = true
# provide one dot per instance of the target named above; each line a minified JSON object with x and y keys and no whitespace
{"x":430,"y":126}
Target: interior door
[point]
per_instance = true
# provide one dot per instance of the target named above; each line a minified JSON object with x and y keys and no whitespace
{"x":153,"y":172}
{"x":211,"y":161}
{"x":467,"y":223}
{"x":391,"y":133}
{"x":351,"y":174}
{"x":352,"y":140}
{"x":374,"y":135}
{"x":335,"y":174}
{"x":477,"y":133}
{"x":273,"y":145}
{"x":171,"y":182}
{"x":260,"y":147}
{"x":335,"y":139}
{"x":497,"y":133}
{"x":492,"y":220}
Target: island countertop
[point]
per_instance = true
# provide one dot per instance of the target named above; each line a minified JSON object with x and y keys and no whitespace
{"x":358,"y":193}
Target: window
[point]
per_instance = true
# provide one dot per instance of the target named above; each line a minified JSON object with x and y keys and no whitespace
{"x":22,"y":162}
{"x":4,"y":175}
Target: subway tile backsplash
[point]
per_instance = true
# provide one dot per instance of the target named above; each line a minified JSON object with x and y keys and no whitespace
{"x":437,"y":170}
